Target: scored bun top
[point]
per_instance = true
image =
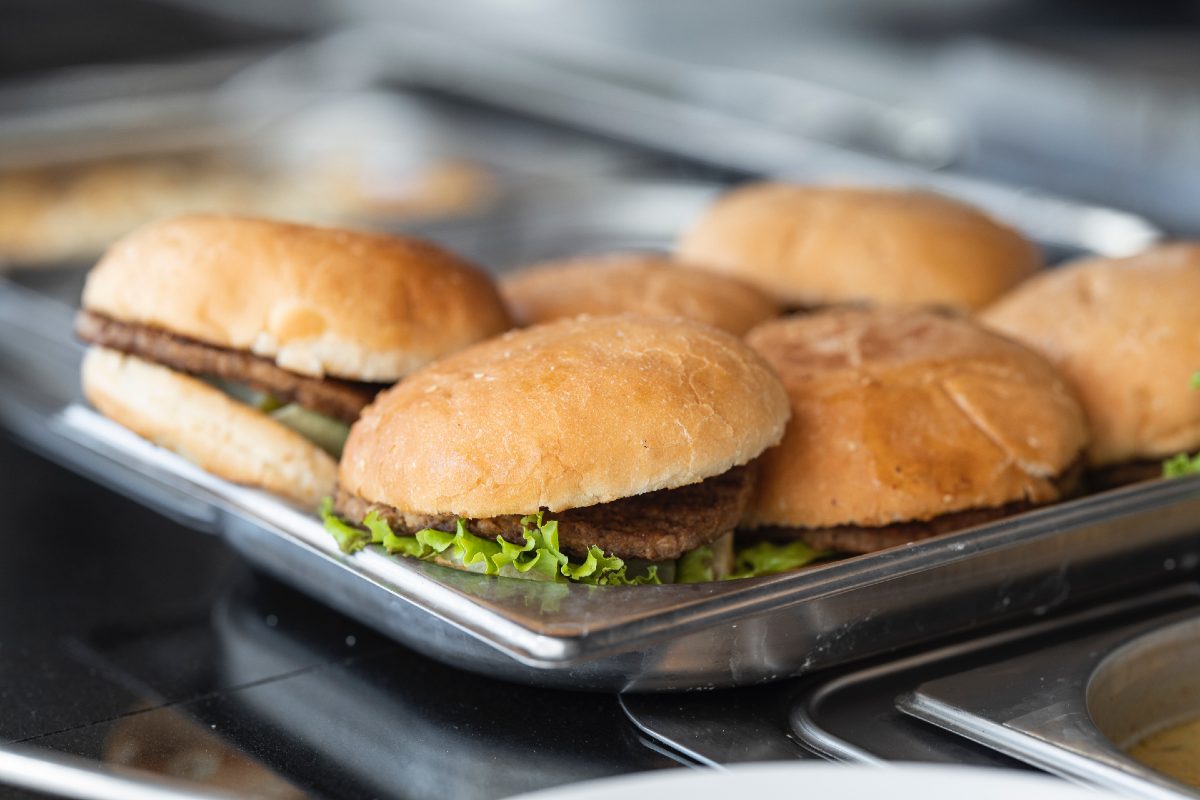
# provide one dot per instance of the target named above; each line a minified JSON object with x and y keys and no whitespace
{"x":1126,"y":334}
{"x":566,"y":415}
{"x":318,"y":301}
{"x":902,"y":415}
{"x":814,"y":246}
{"x":644,"y":283}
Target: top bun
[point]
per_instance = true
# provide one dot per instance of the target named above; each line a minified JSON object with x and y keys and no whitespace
{"x":640,"y":282}
{"x":814,"y":246}
{"x":318,"y":301}
{"x":1126,"y":334}
{"x":902,"y":415}
{"x":566,"y":415}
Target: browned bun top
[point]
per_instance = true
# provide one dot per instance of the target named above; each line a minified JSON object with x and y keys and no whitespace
{"x":644,"y":283}
{"x":319,"y":301}
{"x":901,"y":415}
{"x":815,"y":245}
{"x":1126,"y":334}
{"x":566,"y":415}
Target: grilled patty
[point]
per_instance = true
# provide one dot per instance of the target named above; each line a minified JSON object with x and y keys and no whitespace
{"x":1117,"y":475}
{"x":334,"y":397}
{"x":656,"y":526}
{"x":858,"y":539}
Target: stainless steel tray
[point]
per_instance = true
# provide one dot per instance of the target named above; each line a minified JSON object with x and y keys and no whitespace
{"x":604,"y":638}
{"x":849,"y":714}
{"x":1072,"y":709}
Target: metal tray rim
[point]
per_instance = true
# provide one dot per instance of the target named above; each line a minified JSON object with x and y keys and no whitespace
{"x":518,"y":635}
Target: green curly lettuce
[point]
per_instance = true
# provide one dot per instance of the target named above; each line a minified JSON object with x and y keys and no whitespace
{"x":769,"y":558}
{"x":349,"y":538}
{"x":538,"y":557}
{"x":1178,"y":466}
{"x":1181,"y":464}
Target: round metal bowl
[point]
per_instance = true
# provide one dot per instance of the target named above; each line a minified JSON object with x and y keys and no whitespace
{"x":1147,"y":685}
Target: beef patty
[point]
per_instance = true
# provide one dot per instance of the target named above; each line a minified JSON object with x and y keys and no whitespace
{"x":657,"y":526}
{"x":1116,"y":475}
{"x":857,"y":539}
{"x":335,"y":397}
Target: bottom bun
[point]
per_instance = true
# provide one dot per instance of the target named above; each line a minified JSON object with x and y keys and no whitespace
{"x":207,"y":427}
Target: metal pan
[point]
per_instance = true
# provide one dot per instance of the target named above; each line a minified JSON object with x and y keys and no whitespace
{"x":849,"y":714}
{"x":605,"y":638}
{"x":1074,"y":709}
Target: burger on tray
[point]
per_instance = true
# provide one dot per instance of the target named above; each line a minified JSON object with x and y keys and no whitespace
{"x":597,"y":449}
{"x":812,"y":246}
{"x":644,"y":283}
{"x":907,"y":424}
{"x":249,"y":346}
{"x":1126,"y":335}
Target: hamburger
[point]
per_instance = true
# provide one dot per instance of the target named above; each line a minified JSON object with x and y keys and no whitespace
{"x":597,"y":449}
{"x":907,"y":424}
{"x":1125,"y":334}
{"x":645,"y":283}
{"x":248,"y":346}
{"x":812,"y":246}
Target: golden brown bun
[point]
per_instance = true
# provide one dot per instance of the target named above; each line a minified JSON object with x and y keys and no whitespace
{"x":813,"y":246}
{"x":643,"y":283}
{"x":566,"y":415}
{"x":319,"y":301}
{"x":902,"y":415}
{"x":205,"y":426}
{"x":1126,"y":334}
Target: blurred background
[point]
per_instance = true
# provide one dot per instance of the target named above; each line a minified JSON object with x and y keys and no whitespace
{"x":412,"y":114}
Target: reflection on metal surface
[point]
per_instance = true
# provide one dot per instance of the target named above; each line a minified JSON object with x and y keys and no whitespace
{"x":169,"y":744}
{"x":399,"y":719}
{"x":69,"y":776}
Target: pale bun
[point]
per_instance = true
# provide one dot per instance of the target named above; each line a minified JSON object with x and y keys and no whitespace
{"x":643,"y":283}
{"x":318,"y":301}
{"x":1126,"y":334}
{"x":207,"y":427}
{"x":814,"y":246}
{"x":902,"y":415}
{"x":566,"y":415}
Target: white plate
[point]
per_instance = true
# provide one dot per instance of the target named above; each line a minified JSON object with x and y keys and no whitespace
{"x":823,"y":781}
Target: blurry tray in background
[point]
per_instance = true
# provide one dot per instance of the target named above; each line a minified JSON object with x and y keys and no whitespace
{"x":232,"y":134}
{"x":371,"y":161}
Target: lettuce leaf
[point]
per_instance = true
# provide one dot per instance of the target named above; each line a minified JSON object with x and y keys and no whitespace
{"x":1182,"y":464}
{"x":695,"y":566}
{"x":769,"y":558}
{"x":324,"y":431}
{"x":537,"y":558}
{"x":349,"y":538}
